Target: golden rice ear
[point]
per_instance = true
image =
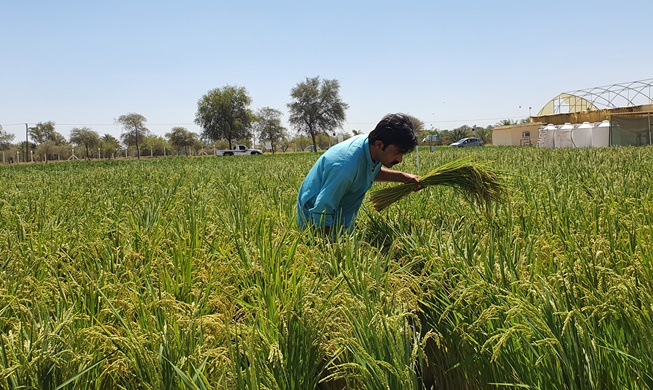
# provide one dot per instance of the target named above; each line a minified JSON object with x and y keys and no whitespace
{"x":479,"y":183}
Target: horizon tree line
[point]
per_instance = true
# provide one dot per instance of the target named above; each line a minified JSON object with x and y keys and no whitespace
{"x":315,"y":110}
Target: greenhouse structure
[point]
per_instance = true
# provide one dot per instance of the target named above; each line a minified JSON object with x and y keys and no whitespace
{"x":614,"y":115}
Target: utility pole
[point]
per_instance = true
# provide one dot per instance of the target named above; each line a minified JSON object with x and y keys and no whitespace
{"x":26,"y":142}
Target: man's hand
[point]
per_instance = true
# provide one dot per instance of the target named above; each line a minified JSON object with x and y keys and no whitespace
{"x":399,"y":177}
{"x":413,"y":179}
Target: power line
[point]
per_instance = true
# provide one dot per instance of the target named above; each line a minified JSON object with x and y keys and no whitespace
{"x":194,"y":124}
{"x":100,"y":124}
{"x":477,"y":119}
{"x":450,"y":120}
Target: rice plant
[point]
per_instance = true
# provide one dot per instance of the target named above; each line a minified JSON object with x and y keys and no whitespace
{"x":190,"y":274}
{"x":478,"y":182}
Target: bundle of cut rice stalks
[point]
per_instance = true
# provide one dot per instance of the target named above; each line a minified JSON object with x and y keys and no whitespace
{"x":480,"y":183}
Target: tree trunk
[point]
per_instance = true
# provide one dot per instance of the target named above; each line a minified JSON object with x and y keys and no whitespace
{"x":314,"y":143}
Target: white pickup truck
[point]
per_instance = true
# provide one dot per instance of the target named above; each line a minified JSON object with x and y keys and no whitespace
{"x":238,"y":150}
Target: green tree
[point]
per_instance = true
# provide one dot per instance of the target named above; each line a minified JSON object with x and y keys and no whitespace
{"x":181,"y":138}
{"x":418,"y":125}
{"x":198,"y":146}
{"x":300,"y":142}
{"x":22,"y":147}
{"x":268,"y":126}
{"x":42,"y":132}
{"x":458,"y":133}
{"x":485,"y":134}
{"x":316,"y":107}
{"x":109,"y":145}
{"x":133,"y":130}
{"x":224,"y":113}
{"x":58,"y":139}
{"x":506,"y":122}
{"x":5,"y":139}
{"x":48,"y":148}
{"x":84,"y":137}
{"x":445,"y":137}
{"x":284,"y":143}
{"x":324,"y":141}
{"x":45,"y":132}
{"x":155,"y":144}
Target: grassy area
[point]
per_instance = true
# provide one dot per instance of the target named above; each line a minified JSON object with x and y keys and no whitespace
{"x":189,"y":273}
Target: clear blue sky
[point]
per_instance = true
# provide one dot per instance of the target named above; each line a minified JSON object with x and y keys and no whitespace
{"x":85,"y":63}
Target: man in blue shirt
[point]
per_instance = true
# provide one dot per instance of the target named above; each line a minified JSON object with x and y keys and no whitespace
{"x":334,"y":189}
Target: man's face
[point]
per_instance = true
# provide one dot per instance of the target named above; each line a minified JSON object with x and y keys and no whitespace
{"x":390,"y":156}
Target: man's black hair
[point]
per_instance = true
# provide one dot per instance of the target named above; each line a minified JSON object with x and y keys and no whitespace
{"x":397,"y":130}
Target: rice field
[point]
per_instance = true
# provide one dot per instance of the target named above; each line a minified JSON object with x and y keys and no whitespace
{"x":189,"y":273}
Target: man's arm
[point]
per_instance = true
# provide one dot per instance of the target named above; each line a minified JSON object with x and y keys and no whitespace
{"x":398,"y":177}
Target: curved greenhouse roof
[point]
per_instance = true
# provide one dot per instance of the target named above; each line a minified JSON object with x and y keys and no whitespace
{"x":629,"y":94}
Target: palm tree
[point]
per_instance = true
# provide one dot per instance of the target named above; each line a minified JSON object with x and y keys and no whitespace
{"x":459,"y":133}
{"x":109,"y":145}
{"x":506,"y":122}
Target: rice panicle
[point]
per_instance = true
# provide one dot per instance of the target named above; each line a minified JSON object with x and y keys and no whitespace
{"x":481,"y":183}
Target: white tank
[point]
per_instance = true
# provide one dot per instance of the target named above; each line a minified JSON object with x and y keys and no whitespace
{"x":582,"y":135}
{"x":601,"y":134}
{"x":562,"y":137}
{"x":548,"y":137}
